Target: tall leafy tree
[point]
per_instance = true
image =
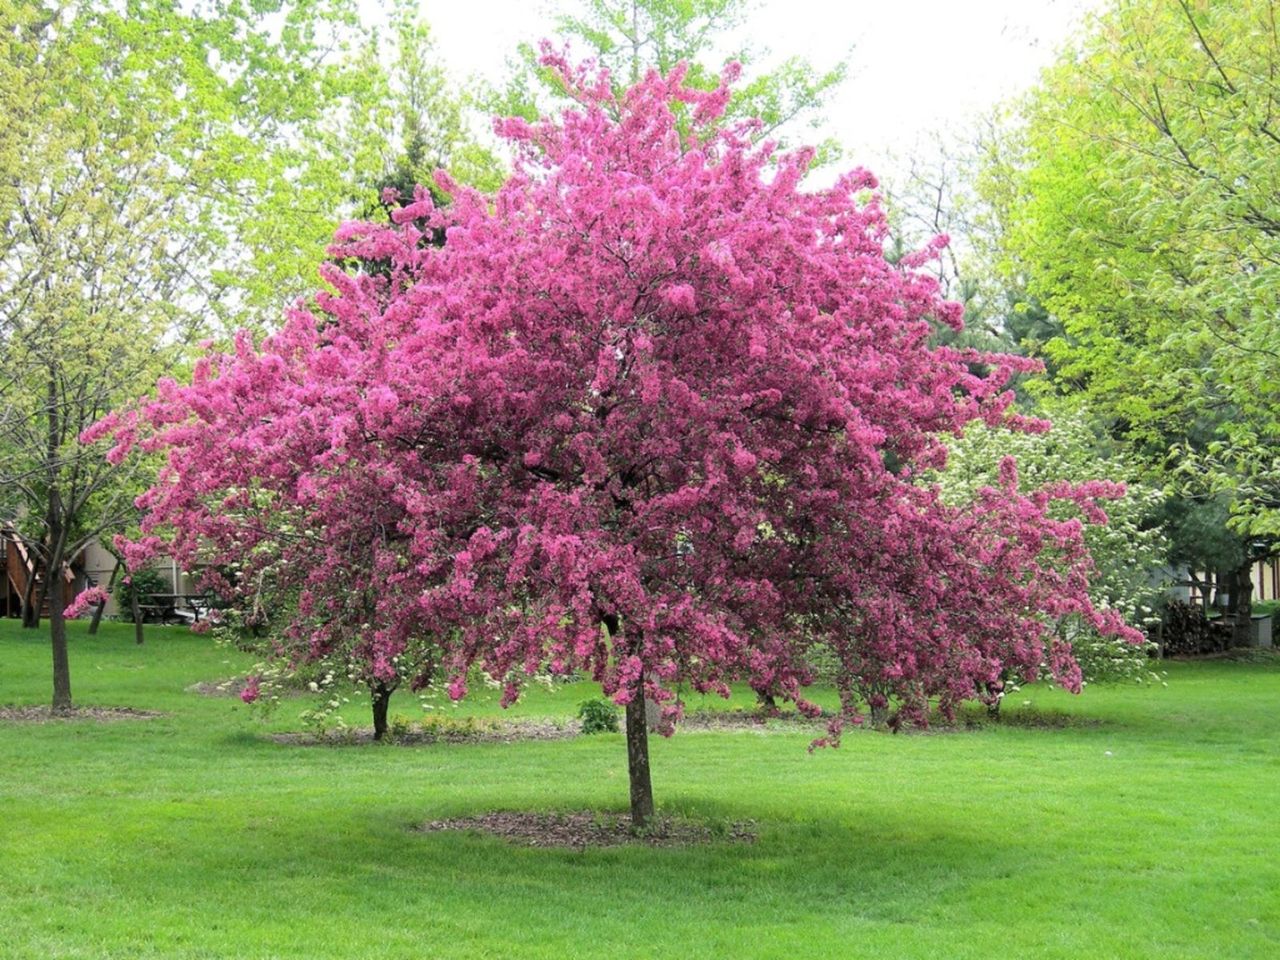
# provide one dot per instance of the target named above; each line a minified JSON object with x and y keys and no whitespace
{"x":92,"y":275}
{"x":1146,"y":221}
{"x":168,"y":170}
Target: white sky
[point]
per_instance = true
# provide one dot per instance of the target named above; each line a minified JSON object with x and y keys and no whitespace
{"x":916,"y":66}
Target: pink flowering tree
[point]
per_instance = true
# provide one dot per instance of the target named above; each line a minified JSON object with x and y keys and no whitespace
{"x":654,"y":413}
{"x":279,"y":489}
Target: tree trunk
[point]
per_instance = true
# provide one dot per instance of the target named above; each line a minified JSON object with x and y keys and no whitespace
{"x":137,"y":616}
{"x":381,"y":700}
{"x":1225,"y":583}
{"x":638,"y":760}
{"x":766,"y":703}
{"x":96,"y":619}
{"x":995,"y":690}
{"x":58,"y":637}
{"x":637,"y":727}
{"x":1242,"y":598}
{"x":31,"y":601}
{"x":55,"y":586}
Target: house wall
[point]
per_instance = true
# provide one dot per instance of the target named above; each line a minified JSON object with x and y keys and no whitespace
{"x":1266,"y":579}
{"x":98,"y":563}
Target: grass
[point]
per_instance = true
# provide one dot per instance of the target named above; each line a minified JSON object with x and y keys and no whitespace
{"x":1149,"y":831}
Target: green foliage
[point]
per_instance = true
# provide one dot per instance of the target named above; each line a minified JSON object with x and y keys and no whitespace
{"x":439,"y":726}
{"x":399,"y":726}
{"x":598,"y":716}
{"x":430,"y":122}
{"x":1144,"y":217}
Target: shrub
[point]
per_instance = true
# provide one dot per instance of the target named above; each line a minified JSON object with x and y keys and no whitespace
{"x":598,"y":716}
{"x":400,"y":727}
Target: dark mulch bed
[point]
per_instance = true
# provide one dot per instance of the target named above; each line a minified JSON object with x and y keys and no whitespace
{"x":577,"y":831}
{"x":967,"y":720}
{"x":41,"y":714}
{"x":782,"y":722}
{"x":477,"y":731}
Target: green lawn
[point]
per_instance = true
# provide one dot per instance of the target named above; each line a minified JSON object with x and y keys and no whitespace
{"x":1151,"y":833}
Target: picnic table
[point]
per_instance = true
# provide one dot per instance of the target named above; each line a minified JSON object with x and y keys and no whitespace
{"x":168,"y":607}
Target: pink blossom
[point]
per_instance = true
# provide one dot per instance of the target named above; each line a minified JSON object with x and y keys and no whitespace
{"x":682,"y":297}
{"x":84,"y":600}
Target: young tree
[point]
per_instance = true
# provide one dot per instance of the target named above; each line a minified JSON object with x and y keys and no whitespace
{"x":89,"y":287}
{"x":652,"y":412}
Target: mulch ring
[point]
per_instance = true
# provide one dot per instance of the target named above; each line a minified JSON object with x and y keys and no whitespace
{"x":473,"y":730}
{"x":43,"y":714}
{"x":577,"y":831}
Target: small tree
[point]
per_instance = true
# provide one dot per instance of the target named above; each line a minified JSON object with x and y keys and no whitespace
{"x":653,"y":413}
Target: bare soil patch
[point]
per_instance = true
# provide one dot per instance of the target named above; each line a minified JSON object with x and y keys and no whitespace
{"x":43,"y":714}
{"x":577,"y":831}
{"x":469,"y":730}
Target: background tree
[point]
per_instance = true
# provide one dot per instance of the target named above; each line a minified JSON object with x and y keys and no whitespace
{"x":652,"y":413}
{"x":91,"y":278}
{"x":631,"y":37}
{"x":165,"y":170}
{"x":1145,"y":220}
{"x":430,"y":122}
{"x":957,"y":185}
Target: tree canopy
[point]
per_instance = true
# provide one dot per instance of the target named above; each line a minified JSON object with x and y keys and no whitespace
{"x":1144,"y":218}
{"x":652,"y":412}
